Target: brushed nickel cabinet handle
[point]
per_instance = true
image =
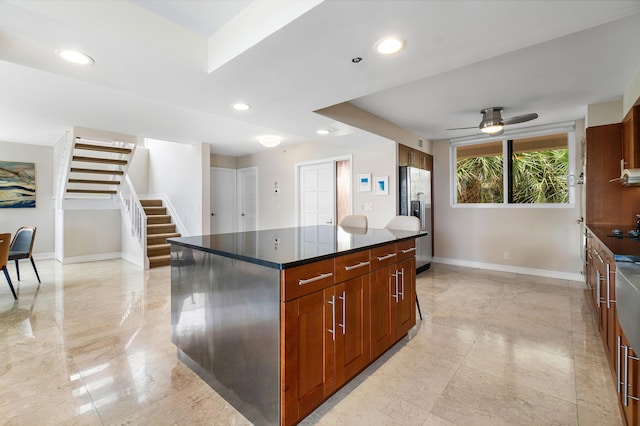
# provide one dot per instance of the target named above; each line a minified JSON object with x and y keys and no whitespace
{"x":408,"y":250}
{"x":319,"y":277}
{"x":359,"y":265}
{"x":388,"y":256}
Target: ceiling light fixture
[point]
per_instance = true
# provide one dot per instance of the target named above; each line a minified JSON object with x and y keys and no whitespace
{"x":389,"y":45}
{"x":241,"y":106}
{"x":270,"y":141}
{"x":75,"y":56}
{"x":492,"y":129}
{"x":322,"y":132}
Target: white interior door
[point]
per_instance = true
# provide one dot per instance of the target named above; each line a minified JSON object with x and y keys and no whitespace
{"x":317,"y":194}
{"x":247,"y":188}
{"x":223,"y":200}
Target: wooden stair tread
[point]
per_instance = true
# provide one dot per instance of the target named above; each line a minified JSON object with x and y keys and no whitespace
{"x":151,"y":203}
{"x":159,"y":246}
{"x":102,"y":148}
{"x":165,"y":235}
{"x":97,"y":171}
{"x":98,"y":160}
{"x":157,"y":219}
{"x":95,"y":181}
{"x":91,"y":191}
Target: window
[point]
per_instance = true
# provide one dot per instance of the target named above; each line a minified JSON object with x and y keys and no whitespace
{"x":526,"y":170}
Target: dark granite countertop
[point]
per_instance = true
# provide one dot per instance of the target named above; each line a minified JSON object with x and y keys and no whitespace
{"x":624,"y":249}
{"x":288,"y":247}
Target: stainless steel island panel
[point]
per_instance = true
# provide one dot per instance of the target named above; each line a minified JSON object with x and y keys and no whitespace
{"x":225,"y":321}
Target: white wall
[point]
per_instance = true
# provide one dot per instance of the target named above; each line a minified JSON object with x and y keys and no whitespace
{"x":42,"y":216}
{"x":371,"y":154}
{"x":139,"y":170}
{"x":632,"y":93}
{"x":178,"y":171}
{"x":604,"y":113}
{"x":541,"y":241}
{"x":91,"y":235}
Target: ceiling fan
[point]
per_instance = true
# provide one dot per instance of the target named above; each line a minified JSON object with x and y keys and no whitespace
{"x":492,"y":122}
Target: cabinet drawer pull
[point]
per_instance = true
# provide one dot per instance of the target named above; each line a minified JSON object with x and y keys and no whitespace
{"x":332,"y":330}
{"x":343,"y":326}
{"x":319,"y":277}
{"x":359,"y":265}
{"x":408,"y":250}
{"x":388,"y":256}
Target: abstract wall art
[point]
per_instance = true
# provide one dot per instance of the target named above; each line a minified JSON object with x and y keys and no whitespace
{"x":17,"y":185}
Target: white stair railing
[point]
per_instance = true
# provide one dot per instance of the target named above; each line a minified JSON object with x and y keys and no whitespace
{"x":65,"y":165}
{"x":134,"y":216}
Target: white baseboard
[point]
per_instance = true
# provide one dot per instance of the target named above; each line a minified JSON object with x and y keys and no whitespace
{"x":43,"y":256}
{"x":513,"y":269}
{"x":132,"y":259}
{"x":91,"y":258}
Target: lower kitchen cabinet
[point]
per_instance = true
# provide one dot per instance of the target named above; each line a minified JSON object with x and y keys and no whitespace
{"x":332,"y":334}
{"x":624,"y":363}
{"x":394,"y":303}
{"x":628,"y":377}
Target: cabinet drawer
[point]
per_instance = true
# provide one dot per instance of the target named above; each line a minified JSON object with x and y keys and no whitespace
{"x":306,"y":279}
{"x":406,"y":249}
{"x":352,"y":265}
{"x":383,"y":256}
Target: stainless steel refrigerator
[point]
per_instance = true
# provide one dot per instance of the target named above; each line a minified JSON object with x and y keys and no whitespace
{"x":415,"y":200}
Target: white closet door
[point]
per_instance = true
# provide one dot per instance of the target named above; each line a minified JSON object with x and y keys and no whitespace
{"x":223,"y":200}
{"x":247,"y":199}
{"x":317,"y":194}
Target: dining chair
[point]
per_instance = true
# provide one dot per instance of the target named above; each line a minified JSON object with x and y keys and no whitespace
{"x":22,"y":248}
{"x":5,"y":241}
{"x":406,"y":223}
{"x":354,"y":221}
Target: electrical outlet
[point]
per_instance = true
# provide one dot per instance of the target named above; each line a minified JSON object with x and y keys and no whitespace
{"x":506,"y":255}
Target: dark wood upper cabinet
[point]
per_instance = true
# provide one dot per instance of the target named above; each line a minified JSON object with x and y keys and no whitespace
{"x":607,"y":202}
{"x":414,"y":158}
{"x":631,"y":138}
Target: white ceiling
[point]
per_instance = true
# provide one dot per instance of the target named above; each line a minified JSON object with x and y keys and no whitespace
{"x":289,"y":58}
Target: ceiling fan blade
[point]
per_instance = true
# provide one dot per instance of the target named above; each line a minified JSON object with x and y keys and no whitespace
{"x":520,"y":118}
{"x":463,"y":128}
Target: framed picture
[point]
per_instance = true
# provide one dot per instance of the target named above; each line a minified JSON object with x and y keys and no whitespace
{"x":364,"y":182}
{"x":17,"y":185}
{"x":381,"y":185}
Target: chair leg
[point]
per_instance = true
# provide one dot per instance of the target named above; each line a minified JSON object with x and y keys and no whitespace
{"x":6,"y":274}
{"x":17,"y":269}
{"x":35,"y":269}
{"x":418,"y":304}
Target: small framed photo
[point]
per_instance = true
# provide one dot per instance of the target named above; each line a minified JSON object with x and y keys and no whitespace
{"x":364,"y":182}
{"x":381,"y":185}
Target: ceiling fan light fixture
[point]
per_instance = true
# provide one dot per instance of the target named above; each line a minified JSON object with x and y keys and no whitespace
{"x":491,"y":128}
{"x":270,"y":141}
{"x":389,"y":45}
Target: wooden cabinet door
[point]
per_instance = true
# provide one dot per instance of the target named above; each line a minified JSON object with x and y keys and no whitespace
{"x":352,"y":329}
{"x":404,"y":155}
{"x":309,"y":346}
{"x":631,"y":138}
{"x":406,"y":300}
{"x":628,"y":375}
{"x":383,"y":310}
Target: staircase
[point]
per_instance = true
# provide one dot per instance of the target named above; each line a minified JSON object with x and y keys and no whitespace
{"x":96,"y":168}
{"x":159,"y":228}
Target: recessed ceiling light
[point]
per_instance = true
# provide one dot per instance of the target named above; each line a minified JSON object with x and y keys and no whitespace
{"x":75,"y":56}
{"x":270,"y":140}
{"x":322,"y":132}
{"x":241,"y":106}
{"x":389,"y":45}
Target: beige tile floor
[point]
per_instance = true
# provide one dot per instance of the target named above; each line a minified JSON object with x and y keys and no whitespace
{"x":91,"y":346}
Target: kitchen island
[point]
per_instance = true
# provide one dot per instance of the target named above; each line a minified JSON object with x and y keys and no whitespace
{"x":276,"y":321}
